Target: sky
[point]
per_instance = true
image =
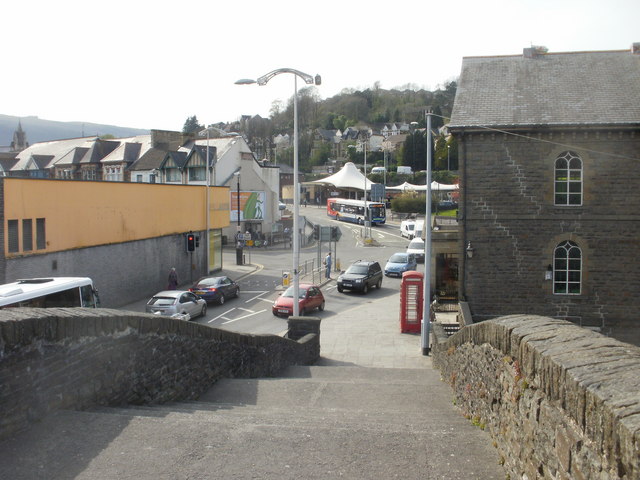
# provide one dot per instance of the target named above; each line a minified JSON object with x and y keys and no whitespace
{"x":152,"y":64}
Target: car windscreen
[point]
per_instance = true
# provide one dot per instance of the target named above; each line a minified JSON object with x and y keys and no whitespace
{"x":411,"y":226}
{"x":398,"y":258}
{"x":416,"y":245}
{"x":357,"y":270}
{"x":289,"y":292}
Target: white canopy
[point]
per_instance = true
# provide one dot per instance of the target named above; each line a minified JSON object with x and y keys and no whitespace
{"x":348,"y":177}
{"x":435,"y":186}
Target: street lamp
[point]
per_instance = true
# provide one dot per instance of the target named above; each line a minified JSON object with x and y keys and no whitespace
{"x":209,"y":167}
{"x":310,"y":80}
{"x":238,"y":242}
{"x":448,"y":155}
{"x":426,"y":308}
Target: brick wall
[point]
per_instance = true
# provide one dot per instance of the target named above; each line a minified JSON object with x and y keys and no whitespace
{"x":76,"y":358}
{"x":560,"y":402}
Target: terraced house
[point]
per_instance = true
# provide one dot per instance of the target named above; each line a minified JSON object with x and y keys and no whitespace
{"x":550,"y":204}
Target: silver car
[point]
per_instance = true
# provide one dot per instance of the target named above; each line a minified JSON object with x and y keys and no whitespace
{"x":180,"y":302}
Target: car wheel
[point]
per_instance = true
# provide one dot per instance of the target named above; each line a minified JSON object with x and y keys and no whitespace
{"x":321,"y":306}
{"x":365,"y":288}
{"x":340,"y":289}
{"x":221,"y":300}
{"x":379,"y":284}
{"x":237,"y":292}
{"x":203,"y":312}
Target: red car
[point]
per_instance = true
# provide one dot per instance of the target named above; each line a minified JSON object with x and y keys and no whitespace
{"x":310,"y":297}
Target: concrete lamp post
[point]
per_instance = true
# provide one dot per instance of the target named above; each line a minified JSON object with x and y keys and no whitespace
{"x":310,"y":80}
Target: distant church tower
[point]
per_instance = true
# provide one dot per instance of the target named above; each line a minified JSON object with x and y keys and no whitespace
{"x":19,"y":139}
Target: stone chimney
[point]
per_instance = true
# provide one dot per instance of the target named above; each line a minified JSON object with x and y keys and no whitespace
{"x":635,"y":48}
{"x":534,"y":51}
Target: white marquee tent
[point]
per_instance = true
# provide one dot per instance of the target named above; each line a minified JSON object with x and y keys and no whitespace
{"x":347,"y":177}
{"x":435,"y":186}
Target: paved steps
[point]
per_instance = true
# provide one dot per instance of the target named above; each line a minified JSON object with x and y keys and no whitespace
{"x":312,"y":423}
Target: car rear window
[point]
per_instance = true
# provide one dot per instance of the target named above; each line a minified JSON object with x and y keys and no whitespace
{"x":162,"y":301}
{"x":357,"y":269}
{"x":416,"y":244}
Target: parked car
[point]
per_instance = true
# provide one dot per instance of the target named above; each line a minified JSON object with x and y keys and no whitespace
{"x":362,"y":276}
{"x":416,"y":246}
{"x":447,"y":205}
{"x":399,"y":263}
{"x":310,"y":297}
{"x":171,"y":302}
{"x":215,"y":289}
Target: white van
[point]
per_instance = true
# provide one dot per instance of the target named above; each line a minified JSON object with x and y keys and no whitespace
{"x":404,"y":170}
{"x":407,"y":228}
{"x":378,"y":170}
{"x":417,"y":230}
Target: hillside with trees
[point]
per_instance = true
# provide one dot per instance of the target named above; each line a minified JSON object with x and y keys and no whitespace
{"x":372,"y":108}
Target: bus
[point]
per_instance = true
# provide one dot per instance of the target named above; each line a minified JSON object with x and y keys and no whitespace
{"x":348,"y":210}
{"x":49,"y":292}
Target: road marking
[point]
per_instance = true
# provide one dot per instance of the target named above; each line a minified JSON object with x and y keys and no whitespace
{"x":260,"y":294}
{"x":244,"y":316}
{"x":221,"y":315}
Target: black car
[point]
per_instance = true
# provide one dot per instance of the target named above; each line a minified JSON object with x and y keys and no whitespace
{"x":215,"y":289}
{"x":361,"y":276}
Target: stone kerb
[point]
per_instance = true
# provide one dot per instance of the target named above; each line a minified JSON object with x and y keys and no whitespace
{"x":560,"y":401}
{"x":76,"y":358}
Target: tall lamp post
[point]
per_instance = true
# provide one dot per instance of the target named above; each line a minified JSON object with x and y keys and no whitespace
{"x":238,"y":242}
{"x":209,"y":167}
{"x":308,"y":79}
{"x":426,"y":307}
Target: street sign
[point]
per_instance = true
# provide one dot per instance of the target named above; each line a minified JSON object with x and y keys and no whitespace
{"x":325,"y":233}
{"x":377,"y":192}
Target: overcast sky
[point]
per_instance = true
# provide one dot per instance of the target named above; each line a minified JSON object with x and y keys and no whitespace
{"x":153,"y":63}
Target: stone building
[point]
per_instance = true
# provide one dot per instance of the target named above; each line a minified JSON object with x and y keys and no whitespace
{"x":550,"y":205}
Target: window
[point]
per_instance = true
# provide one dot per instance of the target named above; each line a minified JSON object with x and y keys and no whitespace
{"x":27,"y":235}
{"x":173,"y":175}
{"x":41,"y":234}
{"x":14,"y":238}
{"x":567,"y":269}
{"x":139,"y":178}
{"x":197,"y":174}
{"x":568,"y":182}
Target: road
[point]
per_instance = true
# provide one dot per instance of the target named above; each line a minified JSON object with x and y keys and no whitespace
{"x":251,"y":311}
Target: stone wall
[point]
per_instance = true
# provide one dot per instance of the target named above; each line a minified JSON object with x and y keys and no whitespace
{"x":510,"y":218}
{"x":560,"y":402}
{"x":54,"y":359}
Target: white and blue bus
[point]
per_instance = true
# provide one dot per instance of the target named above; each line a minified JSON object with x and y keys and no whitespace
{"x":347,"y":210}
{"x":49,"y":292}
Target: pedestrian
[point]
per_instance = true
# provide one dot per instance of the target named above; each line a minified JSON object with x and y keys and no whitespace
{"x":173,"y":279}
{"x":327,"y":264}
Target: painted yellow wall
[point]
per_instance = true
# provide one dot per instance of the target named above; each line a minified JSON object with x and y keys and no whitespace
{"x":83,"y":214}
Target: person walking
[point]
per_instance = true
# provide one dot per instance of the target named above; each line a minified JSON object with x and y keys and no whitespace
{"x":327,"y":264}
{"x":173,"y":279}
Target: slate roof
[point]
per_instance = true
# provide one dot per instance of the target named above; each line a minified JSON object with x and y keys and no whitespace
{"x":554,"y":89}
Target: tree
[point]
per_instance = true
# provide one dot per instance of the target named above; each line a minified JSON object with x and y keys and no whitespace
{"x":191,"y":125}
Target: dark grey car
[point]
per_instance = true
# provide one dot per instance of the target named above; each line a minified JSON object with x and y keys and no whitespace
{"x":361,"y":276}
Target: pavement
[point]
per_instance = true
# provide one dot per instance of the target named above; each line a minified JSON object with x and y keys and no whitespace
{"x":373,"y":407}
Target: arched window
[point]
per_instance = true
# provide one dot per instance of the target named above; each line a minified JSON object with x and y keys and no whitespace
{"x":567,"y":269}
{"x":568,"y":180}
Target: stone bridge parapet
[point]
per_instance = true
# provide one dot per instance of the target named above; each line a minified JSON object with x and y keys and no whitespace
{"x":76,"y":358}
{"x":560,"y":401}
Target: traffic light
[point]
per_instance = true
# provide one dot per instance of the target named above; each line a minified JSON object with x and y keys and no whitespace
{"x":316,"y":232}
{"x":197,"y":241}
{"x":191,"y":242}
{"x":334,"y":232}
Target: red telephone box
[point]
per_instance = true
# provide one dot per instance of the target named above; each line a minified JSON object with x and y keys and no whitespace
{"x":411,"y":299}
